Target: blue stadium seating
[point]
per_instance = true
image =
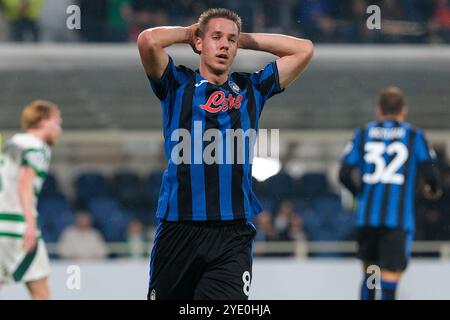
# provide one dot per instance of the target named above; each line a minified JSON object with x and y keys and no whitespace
{"x":50,"y":188}
{"x":128,"y":189}
{"x":109,"y":217}
{"x":314,"y":185}
{"x":90,"y":185}
{"x":113,"y":204}
{"x":280,"y":186}
{"x":326,"y":220}
{"x":55,"y":214}
{"x":154,"y":180}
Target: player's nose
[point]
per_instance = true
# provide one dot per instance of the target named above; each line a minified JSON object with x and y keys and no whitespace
{"x":224,"y":45}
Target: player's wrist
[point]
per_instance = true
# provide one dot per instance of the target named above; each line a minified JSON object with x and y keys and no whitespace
{"x":190,"y":33}
{"x":243,"y":37}
{"x":187,"y":35}
{"x":30,"y":222}
{"x":247,"y":41}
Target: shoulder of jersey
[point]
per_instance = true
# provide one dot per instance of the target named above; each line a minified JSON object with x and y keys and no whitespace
{"x":241,"y":78}
{"x":409,"y":126}
{"x":27,"y":140}
{"x":185,"y":69}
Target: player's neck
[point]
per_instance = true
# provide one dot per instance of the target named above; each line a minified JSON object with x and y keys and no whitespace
{"x":37,"y":133}
{"x":392,"y":118}
{"x":217,"y":79}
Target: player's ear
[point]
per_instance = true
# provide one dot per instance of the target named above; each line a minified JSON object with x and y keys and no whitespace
{"x":378,"y":112}
{"x":198,"y":44}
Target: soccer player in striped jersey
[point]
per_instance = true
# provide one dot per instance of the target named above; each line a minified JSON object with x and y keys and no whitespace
{"x":386,"y":156}
{"x":24,"y":163}
{"x":203,"y":245}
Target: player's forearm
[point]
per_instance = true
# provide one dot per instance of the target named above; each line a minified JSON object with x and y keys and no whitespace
{"x":151,"y":44}
{"x":431,"y":175}
{"x":165,"y":36}
{"x":277,"y":44}
{"x":26,"y":198}
{"x":345,"y":177}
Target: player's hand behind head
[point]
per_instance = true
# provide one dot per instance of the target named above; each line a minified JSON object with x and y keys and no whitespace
{"x":194,"y":33}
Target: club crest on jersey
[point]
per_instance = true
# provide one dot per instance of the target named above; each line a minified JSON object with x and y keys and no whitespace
{"x":234,"y":87}
{"x":219,"y":102}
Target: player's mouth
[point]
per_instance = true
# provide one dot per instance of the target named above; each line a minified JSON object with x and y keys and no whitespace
{"x":222,"y":57}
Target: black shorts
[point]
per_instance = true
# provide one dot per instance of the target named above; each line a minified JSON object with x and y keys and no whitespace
{"x":202,"y":261}
{"x":386,"y":247}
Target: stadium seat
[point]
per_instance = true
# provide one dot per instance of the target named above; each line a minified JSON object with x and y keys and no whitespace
{"x":144,"y":215}
{"x":300,"y":204}
{"x":127,"y":189}
{"x":314,"y":185}
{"x":153,"y":185}
{"x":327,"y":205}
{"x":89,"y":186}
{"x":280,"y":186}
{"x":267,"y":203}
{"x":109,"y":217}
{"x":55,"y":215}
{"x":346,"y":225}
{"x":259,"y":188}
{"x":50,"y":188}
{"x":312,"y":224}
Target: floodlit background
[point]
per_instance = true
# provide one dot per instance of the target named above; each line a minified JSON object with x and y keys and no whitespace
{"x":106,"y":170}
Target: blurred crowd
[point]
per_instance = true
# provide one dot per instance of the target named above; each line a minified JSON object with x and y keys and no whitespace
{"x":118,"y":211}
{"x":433,"y":217}
{"x":329,"y":21}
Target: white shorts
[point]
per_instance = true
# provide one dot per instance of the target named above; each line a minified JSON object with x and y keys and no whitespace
{"x":18,"y":266}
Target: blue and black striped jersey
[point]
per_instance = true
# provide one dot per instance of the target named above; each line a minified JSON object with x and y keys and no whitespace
{"x":197,"y":189}
{"x":387,"y":155}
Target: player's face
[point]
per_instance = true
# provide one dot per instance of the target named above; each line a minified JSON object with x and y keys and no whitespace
{"x":52,"y":127}
{"x":219,"y":45}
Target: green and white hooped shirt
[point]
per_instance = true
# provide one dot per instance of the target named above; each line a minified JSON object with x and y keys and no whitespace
{"x":23,"y":149}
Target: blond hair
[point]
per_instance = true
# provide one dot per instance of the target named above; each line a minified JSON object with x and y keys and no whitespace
{"x":35,"y":112}
{"x":218,"y":13}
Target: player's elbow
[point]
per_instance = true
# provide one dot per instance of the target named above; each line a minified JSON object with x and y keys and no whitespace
{"x":306,"y":49}
{"x":147,"y":39}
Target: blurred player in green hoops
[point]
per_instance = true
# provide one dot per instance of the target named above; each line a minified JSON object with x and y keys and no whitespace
{"x":24,"y":163}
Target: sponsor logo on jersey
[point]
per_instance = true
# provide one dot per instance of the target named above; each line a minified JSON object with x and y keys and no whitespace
{"x":219,"y":102}
{"x":234,"y":87}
